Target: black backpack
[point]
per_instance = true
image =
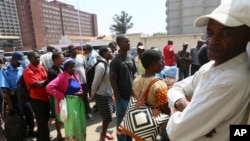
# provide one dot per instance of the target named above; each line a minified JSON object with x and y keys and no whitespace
{"x":91,"y":73}
{"x":15,"y":127}
{"x":22,"y":90}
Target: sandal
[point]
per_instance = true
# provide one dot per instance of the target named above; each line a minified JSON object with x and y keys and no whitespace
{"x":109,"y":136}
{"x":103,"y":139}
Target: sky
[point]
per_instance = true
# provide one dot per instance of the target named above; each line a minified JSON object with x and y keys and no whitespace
{"x":148,"y":15}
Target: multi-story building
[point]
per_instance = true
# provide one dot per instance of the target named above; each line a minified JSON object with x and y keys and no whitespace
{"x":10,"y":36}
{"x":182,"y":13}
{"x":44,"y":22}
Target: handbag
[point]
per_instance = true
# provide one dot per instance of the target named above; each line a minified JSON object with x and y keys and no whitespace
{"x":142,"y":123}
{"x":63,"y":110}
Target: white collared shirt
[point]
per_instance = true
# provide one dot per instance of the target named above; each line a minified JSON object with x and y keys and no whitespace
{"x":220,"y":97}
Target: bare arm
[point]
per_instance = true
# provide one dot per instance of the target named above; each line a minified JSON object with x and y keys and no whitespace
{"x":181,"y":104}
{"x":115,"y":88}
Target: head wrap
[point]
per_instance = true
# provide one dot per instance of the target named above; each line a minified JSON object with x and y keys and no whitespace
{"x":68,"y":61}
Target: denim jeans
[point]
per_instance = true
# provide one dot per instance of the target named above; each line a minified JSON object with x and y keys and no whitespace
{"x":121,"y":107}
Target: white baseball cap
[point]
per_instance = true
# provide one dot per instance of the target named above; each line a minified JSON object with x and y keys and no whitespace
{"x":230,"y":13}
{"x":141,"y":47}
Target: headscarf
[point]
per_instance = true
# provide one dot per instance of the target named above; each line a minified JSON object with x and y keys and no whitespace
{"x":68,"y":61}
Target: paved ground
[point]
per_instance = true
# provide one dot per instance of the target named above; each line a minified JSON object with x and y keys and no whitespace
{"x":93,"y":128}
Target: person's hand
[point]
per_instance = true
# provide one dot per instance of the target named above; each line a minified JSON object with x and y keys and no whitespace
{"x":92,"y":97}
{"x":113,"y":99}
{"x":60,"y":96}
{"x":79,"y":93}
{"x":10,"y":107}
{"x":117,"y":100}
{"x":181,"y":104}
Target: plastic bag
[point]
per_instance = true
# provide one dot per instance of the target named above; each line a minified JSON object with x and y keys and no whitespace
{"x":63,"y":110}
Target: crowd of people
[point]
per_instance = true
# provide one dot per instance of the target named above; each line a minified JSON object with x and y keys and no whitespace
{"x":199,"y":90}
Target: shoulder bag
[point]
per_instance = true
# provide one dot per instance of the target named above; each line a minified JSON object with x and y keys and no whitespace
{"x":142,"y":123}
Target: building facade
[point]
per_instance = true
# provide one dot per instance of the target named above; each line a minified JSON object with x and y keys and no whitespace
{"x":10,"y":36}
{"x":45,"y":22}
{"x":182,"y":13}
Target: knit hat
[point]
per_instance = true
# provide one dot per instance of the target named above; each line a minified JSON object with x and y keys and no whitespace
{"x":68,"y":61}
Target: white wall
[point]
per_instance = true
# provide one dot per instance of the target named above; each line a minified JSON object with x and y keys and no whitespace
{"x":160,"y":42}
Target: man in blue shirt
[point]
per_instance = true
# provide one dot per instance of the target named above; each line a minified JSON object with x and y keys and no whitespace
{"x":91,"y":58}
{"x":9,"y":77}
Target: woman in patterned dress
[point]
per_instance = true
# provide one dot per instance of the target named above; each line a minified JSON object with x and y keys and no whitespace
{"x":153,"y":63}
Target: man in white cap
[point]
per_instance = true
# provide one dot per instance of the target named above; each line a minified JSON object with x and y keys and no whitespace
{"x":219,"y":90}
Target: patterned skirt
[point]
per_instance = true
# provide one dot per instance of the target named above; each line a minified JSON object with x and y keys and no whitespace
{"x":105,"y":106}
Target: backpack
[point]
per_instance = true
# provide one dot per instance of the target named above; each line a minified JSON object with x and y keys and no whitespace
{"x":91,"y":73}
{"x":22,"y":90}
{"x":15,"y":127}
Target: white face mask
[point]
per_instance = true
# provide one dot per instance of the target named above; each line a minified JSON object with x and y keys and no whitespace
{"x":248,"y":53}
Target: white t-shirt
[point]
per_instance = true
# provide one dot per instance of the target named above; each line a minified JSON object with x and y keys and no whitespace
{"x":80,"y":67}
{"x":46,"y":60}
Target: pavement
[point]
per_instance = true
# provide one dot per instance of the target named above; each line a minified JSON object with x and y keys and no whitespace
{"x":94,"y":128}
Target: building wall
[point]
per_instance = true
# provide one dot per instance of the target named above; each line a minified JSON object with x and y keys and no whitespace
{"x":160,"y":42}
{"x":180,"y":15}
{"x":9,"y":25}
{"x":43,"y":23}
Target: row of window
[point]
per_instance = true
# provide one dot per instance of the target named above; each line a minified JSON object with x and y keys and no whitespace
{"x":53,"y":40}
{"x":52,"y":21}
{"x":51,"y":7}
{"x":51,"y":16}
{"x":51,"y":12}
{"x":54,"y":31}
{"x":53,"y":35}
{"x":69,"y":13}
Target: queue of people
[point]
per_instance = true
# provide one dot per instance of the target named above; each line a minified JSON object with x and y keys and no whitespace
{"x":202,"y":104}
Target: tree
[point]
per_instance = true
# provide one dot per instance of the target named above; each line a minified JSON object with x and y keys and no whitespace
{"x":159,"y":34}
{"x":122,"y":23}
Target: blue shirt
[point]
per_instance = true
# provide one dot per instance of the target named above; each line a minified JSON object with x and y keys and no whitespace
{"x":91,"y":59}
{"x":9,"y":76}
{"x":73,"y":87}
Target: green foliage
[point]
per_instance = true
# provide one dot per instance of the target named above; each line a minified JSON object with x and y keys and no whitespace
{"x":122,"y":23}
{"x":159,"y":34}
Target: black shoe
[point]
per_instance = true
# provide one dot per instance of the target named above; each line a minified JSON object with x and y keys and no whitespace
{"x":94,"y":109}
{"x":60,"y":139}
{"x":32,"y":134}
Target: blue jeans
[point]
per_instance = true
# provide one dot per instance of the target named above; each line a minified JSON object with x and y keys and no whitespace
{"x":121,"y":107}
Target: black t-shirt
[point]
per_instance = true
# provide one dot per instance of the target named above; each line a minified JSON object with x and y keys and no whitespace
{"x":53,"y":72}
{"x":123,"y":68}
